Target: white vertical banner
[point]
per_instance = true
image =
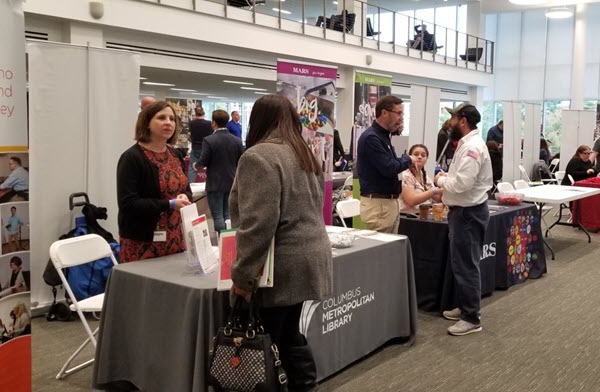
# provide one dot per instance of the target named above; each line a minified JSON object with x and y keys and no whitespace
{"x":13,"y":106}
{"x":424,"y":120}
{"x":577,"y":129}
{"x":511,"y":151}
{"x":83,"y":108}
{"x":531,"y":135}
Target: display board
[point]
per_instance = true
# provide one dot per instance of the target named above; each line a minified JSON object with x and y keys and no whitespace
{"x":15,"y":271}
{"x":312,"y":90}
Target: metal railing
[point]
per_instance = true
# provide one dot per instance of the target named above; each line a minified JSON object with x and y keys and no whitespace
{"x":358,"y":23}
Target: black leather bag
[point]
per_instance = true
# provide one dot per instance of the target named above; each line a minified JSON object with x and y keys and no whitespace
{"x":244,"y":359}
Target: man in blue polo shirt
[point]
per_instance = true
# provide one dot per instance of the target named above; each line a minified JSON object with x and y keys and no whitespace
{"x":379,"y":166}
{"x":234,"y":127}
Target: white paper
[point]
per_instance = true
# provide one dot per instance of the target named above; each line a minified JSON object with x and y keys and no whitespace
{"x":203,"y":249}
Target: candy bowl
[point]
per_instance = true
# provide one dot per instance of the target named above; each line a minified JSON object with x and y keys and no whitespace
{"x":509,"y":199}
{"x":341,"y":240}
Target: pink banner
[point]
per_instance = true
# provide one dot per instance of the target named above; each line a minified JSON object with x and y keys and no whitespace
{"x":306,"y":70}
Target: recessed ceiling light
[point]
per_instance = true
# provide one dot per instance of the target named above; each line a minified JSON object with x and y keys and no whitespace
{"x":159,"y":84}
{"x":182,"y":89}
{"x":527,"y":2}
{"x":141,"y":78}
{"x":259,"y":93}
{"x":236,"y":82}
{"x":210,"y":96}
{"x":282,"y":11}
{"x":559,"y":13}
{"x":253,"y":88}
{"x":199,"y":94}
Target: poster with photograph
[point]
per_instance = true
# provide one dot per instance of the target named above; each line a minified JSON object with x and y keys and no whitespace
{"x":312,"y":90}
{"x":14,"y":177}
{"x":184,"y":109}
{"x":368,"y":89}
{"x":15,"y":299}
{"x":597,"y":131}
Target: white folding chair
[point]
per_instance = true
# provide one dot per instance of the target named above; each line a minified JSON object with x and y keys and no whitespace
{"x":349,"y":181}
{"x":505,"y":187}
{"x":347,"y":209}
{"x":522,"y":184}
{"x":69,"y":253}
{"x":571,"y":179}
{"x":554,"y":165}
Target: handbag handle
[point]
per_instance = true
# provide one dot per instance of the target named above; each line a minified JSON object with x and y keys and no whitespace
{"x":233,"y":315}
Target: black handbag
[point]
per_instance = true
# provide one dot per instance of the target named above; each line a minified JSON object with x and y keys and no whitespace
{"x":244,"y":359}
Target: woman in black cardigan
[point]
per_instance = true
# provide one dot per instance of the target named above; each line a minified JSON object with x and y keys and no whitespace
{"x":152,"y":187}
{"x":579,"y":166}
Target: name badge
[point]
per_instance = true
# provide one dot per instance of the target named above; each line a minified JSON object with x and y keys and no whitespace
{"x":160,"y":236}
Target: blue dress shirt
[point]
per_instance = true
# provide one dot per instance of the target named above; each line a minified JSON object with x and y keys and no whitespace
{"x":378,"y":164}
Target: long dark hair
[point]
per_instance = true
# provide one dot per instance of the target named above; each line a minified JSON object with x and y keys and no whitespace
{"x":275,"y":115}
{"x":413,"y":169}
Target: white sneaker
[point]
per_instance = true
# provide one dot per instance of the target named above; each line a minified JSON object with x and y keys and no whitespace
{"x":453,"y":314}
{"x":464,"y":328}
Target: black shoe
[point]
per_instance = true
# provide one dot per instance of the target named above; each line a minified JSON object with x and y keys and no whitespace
{"x":301,"y":370}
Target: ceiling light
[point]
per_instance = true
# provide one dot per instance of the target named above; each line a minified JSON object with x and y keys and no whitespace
{"x":210,"y":96}
{"x":158,"y":84}
{"x":182,"y":89}
{"x":527,"y":2}
{"x":259,"y":93}
{"x":236,"y":82}
{"x":559,"y":13}
{"x":282,"y":11}
{"x":141,"y":78}
{"x":199,"y":94}
{"x":335,"y":2}
{"x":253,"y":88}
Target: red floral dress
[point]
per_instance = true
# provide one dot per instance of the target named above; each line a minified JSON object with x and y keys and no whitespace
{"x":172,"y":182}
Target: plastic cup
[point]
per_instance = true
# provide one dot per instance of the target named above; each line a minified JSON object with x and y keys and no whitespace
{"x":437,"y":212}
{"x":424,"y":210}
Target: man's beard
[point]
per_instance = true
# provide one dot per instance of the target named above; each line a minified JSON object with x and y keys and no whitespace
{"x":456,"y":133}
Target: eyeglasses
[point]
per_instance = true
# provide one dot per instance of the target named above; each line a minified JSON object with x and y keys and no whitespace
{"x":399,"y":113}
{"x":587,"y":153}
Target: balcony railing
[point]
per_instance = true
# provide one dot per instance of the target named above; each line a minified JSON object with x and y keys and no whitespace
{"x":356,"y":23}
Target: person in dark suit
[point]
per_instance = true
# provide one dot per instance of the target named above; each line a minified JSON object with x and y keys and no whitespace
{"x":496,"y":158}
{"x":443,"y":141}
{"x":339,"y":160}
{"x":496,"y":133}
{"x":221,"y":152}
{"x":199,"y":129}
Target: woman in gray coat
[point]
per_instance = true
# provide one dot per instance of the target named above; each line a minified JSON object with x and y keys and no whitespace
{"x":278,"y":192}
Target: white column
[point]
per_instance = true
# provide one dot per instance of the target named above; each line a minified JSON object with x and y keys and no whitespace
{"x":345,"y":105}
{"x":511,"y":152}
{"x":531,"y":135}
{"x":579,"y":58}
{"x":475,"y":23}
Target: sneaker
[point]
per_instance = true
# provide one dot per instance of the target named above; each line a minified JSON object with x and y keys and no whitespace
{"x":453,"y":314}
{"x":464,"y":328}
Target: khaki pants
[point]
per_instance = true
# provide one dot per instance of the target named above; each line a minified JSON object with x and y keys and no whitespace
{"x":381,"y":215}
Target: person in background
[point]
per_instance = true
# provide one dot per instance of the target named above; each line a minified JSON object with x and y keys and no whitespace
{"x":221,"y":152}
{"x":13,"y":227}
{"x":496,"y":158}
{"x":545,"y":154}
{"x":152,"y":187}
{"x":580,"y":167}
{"x":416,"y":187}
{"x":446,"y":145}
{"x":147,"y":101}
{"x":496,"y":133}
{"x":339,"y":154}
{"x":423,"y":37}
{"x":595,"y":155}
{"x":466,"y":189}
{"x":273,"y":207}
{"x":234,"y":126}
{"x":379,"y":167}
{"x":199,"y":129}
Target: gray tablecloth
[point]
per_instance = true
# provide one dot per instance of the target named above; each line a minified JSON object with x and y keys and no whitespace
{"x":159,"y":318}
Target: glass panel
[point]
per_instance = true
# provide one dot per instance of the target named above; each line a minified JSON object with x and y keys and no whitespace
{"x":387,"y":26}
{"x":553,"y":122}
{"x":402,"y":29}
{"x":372,"y":23}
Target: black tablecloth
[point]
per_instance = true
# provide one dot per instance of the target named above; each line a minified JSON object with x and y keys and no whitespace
{"x":513,"y":251}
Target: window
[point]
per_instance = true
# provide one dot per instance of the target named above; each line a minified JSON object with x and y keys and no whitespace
{"x":553,"y":125}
